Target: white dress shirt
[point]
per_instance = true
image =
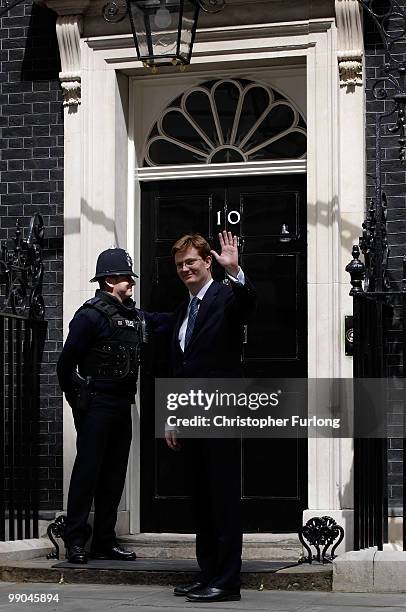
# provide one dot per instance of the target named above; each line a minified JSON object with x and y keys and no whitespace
{"x":182,"y":331}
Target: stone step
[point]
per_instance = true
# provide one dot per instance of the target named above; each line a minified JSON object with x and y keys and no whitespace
{"x":171,"y":573}
{"x":259,"y":546}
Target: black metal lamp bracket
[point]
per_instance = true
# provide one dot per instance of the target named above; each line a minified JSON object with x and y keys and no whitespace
{"x":117,"y":10}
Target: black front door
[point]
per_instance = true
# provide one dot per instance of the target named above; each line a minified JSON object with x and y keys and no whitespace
{"x":268,"y":214}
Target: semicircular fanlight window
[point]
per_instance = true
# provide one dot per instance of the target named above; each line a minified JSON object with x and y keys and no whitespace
{"x":227,"y":121}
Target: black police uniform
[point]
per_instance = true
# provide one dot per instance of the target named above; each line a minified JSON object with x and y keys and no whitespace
{"x":103,"y":345}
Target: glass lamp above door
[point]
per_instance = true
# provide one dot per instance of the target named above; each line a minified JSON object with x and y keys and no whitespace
{"x":163,"y":30}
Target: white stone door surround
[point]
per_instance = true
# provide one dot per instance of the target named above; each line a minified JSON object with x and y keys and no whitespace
{"x":100,"y":191}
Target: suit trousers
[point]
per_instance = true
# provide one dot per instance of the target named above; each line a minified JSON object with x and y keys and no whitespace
{"x":99,"y":472}
{"x":215,"y":474}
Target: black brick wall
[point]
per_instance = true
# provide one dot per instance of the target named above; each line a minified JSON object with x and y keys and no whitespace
{"x":31,"y":179}
{"x":394,"y":184}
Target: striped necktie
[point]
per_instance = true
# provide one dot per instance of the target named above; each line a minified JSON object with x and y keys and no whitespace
{"x":194,"y":308}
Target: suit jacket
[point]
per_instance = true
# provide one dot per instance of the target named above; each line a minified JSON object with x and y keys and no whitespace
{"x":214,"y":351}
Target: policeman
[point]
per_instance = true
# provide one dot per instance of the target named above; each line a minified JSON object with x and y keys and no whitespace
{"x":97,"y":370}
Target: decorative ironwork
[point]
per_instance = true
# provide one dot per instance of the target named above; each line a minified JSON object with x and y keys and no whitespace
{"x":212,"y":6}
{"x":390,"y":20}
{"x":357,"y":271}
{"x":375,"y":249}
{"x":21,"y":271}
{"x":373,"y":297}
{"x":8,"y":5}
{"x":56,"y":530}
{"x":321,"y":533}
{"x":367,"y":243}
{"x":115,"y":11}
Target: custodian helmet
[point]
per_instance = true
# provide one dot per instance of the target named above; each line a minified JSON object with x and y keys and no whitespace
{"x":113,"y":262}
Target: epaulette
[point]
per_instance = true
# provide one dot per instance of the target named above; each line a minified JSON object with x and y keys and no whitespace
{"x":108,"y":310}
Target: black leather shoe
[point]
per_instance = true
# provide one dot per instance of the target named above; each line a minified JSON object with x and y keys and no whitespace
{"x":188,"y":588}
{"x":115,"y":553}
{"x":76,"y":554}
{"x":213,"y":594}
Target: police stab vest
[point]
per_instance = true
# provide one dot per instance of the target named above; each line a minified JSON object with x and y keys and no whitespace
{"x":115,"y":358}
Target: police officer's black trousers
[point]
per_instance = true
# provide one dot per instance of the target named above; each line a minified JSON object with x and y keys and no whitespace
{"x":103,"y":445}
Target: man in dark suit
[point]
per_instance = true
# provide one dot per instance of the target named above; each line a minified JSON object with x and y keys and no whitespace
{"x":207,"y":342}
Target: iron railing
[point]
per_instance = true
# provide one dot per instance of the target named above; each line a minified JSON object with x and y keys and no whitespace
{"x":22,"y":337}
{"x":21,"y":342}
{"x":374,"y":299}
{"x":374,"y":313}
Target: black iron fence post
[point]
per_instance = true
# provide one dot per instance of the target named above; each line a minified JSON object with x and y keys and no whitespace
{"x":370,"y":455}
{"x":2,"y":436}
{"x":403,"y":403}
{"x":22,"y":338}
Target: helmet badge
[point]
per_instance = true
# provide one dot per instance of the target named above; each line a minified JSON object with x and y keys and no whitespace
{"x":129,"y":260}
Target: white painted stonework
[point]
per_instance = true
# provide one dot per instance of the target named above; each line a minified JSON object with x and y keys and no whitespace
{"x":350,"y":42}
{"x":103,"y":144}
{"x":353,"y":572}
{"x":370,"y":571}
{"x":68,"y":30}
{"x":149,"y":97}
{"x":18,"y":550}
